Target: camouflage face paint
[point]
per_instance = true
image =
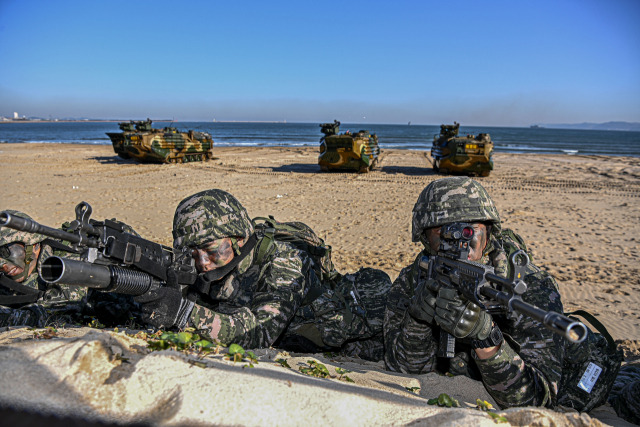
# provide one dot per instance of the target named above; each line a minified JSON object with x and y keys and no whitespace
{"x":13,"y":253}
{"x":432,"y":237}
{"x":214,"y":254}
{"x":478,"y":241}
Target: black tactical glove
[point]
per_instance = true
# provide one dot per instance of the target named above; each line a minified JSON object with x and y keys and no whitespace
{"x":460,"y":317}
{"x":423,"y":303}
{"x":166,"y":307}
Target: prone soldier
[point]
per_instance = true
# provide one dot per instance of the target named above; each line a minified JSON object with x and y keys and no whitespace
{"x":278,"y":299}
{"x":25,"y":299}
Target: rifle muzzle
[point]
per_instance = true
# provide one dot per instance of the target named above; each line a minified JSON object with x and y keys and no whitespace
{"x":572,"y":330}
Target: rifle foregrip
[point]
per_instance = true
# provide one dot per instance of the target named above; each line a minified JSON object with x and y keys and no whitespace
{"x":107,"y":278}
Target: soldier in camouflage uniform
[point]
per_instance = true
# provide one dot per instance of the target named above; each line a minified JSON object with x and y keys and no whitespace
{"x":625,"y":393}
{"x":24,"y":298}
{"x":519,"y":361}
{"x":277,"y":302}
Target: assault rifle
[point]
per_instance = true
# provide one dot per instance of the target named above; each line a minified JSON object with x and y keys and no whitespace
{"x":110,"y":259}
{"x":477,"y":283}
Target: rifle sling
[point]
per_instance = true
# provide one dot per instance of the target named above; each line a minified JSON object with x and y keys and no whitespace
{"x":60,"y":246}
{"x":9,"y":300}
{"x":29,"y":295}
{"x":596,"y":324}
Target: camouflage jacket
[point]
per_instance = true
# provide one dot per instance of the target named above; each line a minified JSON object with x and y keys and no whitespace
{"x":283,"y":296}
{"x":253,"y":309}
{"x":53,"y":293}
{"x":53,"y":302}
{"x":525,"y":371}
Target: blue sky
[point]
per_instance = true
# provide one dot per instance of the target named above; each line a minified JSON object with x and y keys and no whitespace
{"x":494,"y":63}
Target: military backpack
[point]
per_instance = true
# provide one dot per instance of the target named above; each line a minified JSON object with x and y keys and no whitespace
{"x":589,"y":368}
{"x":302,"y":237}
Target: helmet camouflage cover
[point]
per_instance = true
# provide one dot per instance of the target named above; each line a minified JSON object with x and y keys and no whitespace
{"x":207,"y":216}
{"x":9,"y":235}
{"x":454,"y":199}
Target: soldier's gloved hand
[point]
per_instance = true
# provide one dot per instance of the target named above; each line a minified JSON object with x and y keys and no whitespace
{"x":460,"y":317}
{"x":166,"y":307}
{"x":423,"y":303}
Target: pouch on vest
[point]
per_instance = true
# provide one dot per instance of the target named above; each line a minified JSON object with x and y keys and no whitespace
{"x":589,"y":368}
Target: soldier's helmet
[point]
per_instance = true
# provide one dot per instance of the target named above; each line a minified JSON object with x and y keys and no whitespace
{"x":207,"y":216}
{"x":454,"y":199}
{"x":9,"y":235}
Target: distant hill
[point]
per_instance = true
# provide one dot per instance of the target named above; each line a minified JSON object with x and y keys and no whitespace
{"x":628,"y":126}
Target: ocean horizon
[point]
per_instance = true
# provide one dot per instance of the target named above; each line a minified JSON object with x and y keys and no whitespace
{"x":407,"y":137}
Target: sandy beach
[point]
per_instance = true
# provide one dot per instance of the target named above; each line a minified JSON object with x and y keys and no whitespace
{"x":576,"y":213}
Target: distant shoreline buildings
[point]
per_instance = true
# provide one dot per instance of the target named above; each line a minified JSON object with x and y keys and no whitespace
{"x":606,"y":126}
{"x":22,"y":119}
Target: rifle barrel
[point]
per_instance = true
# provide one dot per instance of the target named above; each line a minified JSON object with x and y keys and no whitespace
{"x":25,"y":224}
{"x":572,"y":330}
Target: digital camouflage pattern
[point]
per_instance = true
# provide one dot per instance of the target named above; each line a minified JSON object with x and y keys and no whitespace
{"x":51,"y":301}
{"x":50,"y":292}
{"x":351,"y":313}
{"x":140,"y":141}
{"x":279,"y":299}
{"x":267,"y":304}
{"x":462,"y":154}
{"x":625,"y":394}
{"x":455,"y":199}
{"x":59,"y":304}
{"x":207,"y":216}
{"x":528,"y":368}
{"x":358,"y":151}
{"x":32,"y":315}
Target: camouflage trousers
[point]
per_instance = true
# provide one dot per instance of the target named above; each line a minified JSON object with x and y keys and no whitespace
{"x":625,"y":393}
{"x":349,"y":317}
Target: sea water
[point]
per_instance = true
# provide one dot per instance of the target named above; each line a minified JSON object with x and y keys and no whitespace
{"x":408,"y":137}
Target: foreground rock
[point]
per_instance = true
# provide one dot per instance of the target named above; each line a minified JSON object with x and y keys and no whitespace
{"x":108,"y":376}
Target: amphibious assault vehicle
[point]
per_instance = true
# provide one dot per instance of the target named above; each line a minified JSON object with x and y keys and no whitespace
{"x":347,"y":151}
{"x":469,"y":154}
{"x":140,"y":141}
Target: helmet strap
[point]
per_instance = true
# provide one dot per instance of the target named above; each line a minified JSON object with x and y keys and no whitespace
{"x":206,"y":279}
{"x":234,"y":245}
